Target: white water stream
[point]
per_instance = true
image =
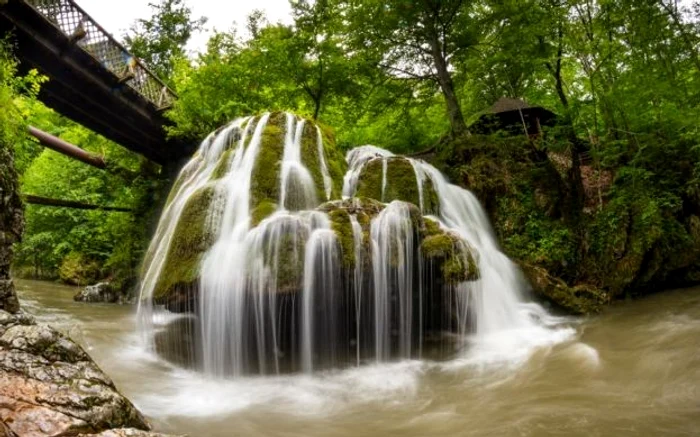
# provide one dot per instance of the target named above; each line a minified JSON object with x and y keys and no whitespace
{"x":249,"y":318}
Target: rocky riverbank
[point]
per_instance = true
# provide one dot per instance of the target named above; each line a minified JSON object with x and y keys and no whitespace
{"x":49,"y":386}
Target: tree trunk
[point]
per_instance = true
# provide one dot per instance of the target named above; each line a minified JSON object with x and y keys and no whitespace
{"x":317,"y":107}
{"x":575,"y":181}
{"x":454,"y":110}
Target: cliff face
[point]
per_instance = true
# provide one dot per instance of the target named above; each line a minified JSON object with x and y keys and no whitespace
{"x":11,"y":225}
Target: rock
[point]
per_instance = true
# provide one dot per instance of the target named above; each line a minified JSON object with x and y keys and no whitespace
{"x":578,"y":299}
{"x":49,"y":386}
{"x":8,"y":298}
{"x":124,"y":432}
{"x":401,"y":183}
{"x":11,"y":224}
{"x":100,"y":292}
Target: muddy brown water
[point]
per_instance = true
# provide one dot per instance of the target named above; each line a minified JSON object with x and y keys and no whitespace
{"x":633,"y":371}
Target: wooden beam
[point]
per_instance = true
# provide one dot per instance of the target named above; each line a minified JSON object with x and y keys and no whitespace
{"x":66,"y":148}
{"x":46,"y":201}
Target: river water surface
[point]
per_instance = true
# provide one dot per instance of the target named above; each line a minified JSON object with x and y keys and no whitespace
{"x":634,"y":371}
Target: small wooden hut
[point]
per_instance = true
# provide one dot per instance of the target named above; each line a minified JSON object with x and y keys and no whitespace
{"x":515,"y":116}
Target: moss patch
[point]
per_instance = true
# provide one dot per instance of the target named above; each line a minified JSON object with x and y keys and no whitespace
{"x":290,"y":263}
{"x":264,"y":209}
{"x":339,"y":211}
{"x":265,"y":179}
{"x":579,"y":299}
{"x":341,"y":225}
{"x":190,"y":241}
{"x":401,"y":183}
{"x":222,"y":165}
{"x":335,"y":161}
{"x":455,"y":258}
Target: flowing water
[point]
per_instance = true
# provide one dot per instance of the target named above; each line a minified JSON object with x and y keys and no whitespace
{"x":633,"y":371}
{"x":287,"y":339}
{"x":246,"y":320}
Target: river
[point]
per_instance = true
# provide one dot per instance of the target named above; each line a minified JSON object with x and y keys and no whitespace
{"x":633,"y":371}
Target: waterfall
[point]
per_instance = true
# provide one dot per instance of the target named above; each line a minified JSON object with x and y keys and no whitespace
{"x":272,"y":281}
{"x":327,"y":181}
{"x":392,"y":260}
{"x":320,"y":300}
{"x":358,"y":280}
{"x":296,"y":178}
{"x":357,"y":158}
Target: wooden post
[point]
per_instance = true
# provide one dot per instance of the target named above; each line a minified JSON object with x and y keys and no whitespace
{"x":68,"y":149}
{"x":522,"y":119}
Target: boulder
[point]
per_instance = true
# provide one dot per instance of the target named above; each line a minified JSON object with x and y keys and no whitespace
{"x":49,"y":386}
{"x":100,"y":292}
{"x":577,"y":299}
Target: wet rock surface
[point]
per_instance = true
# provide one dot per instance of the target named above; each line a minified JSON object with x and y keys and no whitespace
{"x":100,"y":292}
{"x":49,"y":386}
{"x":577,"y":299}
{"x":11,"y":226}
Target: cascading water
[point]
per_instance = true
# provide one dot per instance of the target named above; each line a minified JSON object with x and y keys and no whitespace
{"x":269,"y":280}
{"x":496,"y":298}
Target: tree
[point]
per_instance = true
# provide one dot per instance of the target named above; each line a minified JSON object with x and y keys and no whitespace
{"x":415,"y":40}
{"x":163,"y":37}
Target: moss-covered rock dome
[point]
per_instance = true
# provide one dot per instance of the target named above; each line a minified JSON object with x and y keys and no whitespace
{"x":269,"y":230}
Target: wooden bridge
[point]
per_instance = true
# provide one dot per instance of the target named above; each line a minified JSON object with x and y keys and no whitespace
{"x":93,"y":79}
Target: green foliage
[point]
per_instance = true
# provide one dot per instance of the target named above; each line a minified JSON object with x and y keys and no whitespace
{"x":62,"y":243}
{"x":161,"y":40}
{"x":76,"y":269}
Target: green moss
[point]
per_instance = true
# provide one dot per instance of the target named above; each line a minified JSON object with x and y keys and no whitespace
{"x":190,"y":241}
{"x":370,"y":181}
{"x":579,"y":299}
{"x":431,"y":227}
{"x":401,"y":181}
{"x":455,"y":258}
{"x":431,"y":201}
{"x":339,"y":212}
{"x":264,"y":209}
{"x":437,"y":246}
{"x":222,"y":166}
{"x":341,"y":225}
{"x":401,"y":184}
{"x":265,"y":179}
{"x":335,"y":161}
{"x":290,"y":263}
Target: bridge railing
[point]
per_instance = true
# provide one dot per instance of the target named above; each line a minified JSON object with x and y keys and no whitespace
{"x":78,"y":26}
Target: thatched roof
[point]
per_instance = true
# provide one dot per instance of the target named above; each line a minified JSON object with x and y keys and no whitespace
{"x":506,"y":104}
